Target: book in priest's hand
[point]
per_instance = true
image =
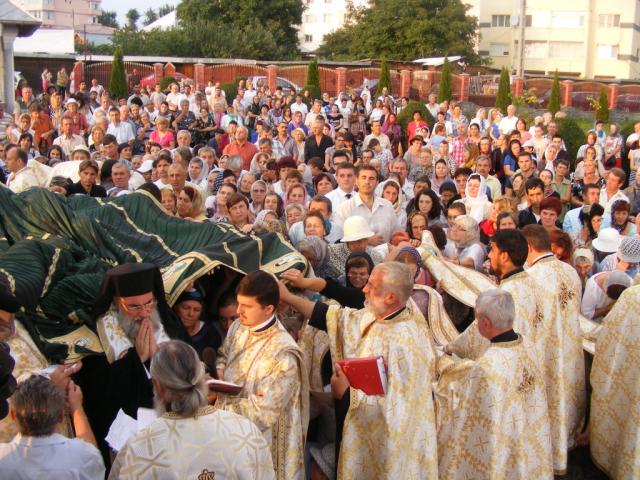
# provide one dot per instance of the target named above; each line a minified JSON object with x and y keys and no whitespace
{"x":224,"y":387}
{"x":368,"y":374}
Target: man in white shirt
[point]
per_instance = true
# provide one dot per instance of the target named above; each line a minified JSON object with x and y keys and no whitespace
{"x":571,"y":221}
{"x":121,"y":130}
{"x":174,"y":98}
{"x":378,"y":135}
{"x":432,"y":106}
{"x":316,"y":109}
{"x":38,"y":406}
{"x":346,"y":178}
{"x":299,"y":106}
{"x":67,"y":140}
{"x":378,"y":211}
{"x":21,"y":177}
{"x":508,"y":123}
{"x":611,"y":193}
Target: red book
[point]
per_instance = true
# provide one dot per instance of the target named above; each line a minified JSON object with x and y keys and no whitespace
{"x":368,"y":374}
{"x":224,"y":387}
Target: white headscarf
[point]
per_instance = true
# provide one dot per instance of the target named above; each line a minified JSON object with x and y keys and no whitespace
{"x":476,"y":205}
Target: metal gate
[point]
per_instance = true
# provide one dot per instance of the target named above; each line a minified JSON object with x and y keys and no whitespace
{"x":101,"y":71}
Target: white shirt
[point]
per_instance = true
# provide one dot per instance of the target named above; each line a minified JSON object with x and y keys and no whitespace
{"x":123,"y":132}
{"x":302,"y":108}
{"x":507,"y":124}
{"x":51,"y":456}
{"x":594,"y":298}
{"x":22,"y":180}
{"x":571,"y":221}
{"x":382,"y":138}
{"x":382,"y":219}
{"x":338,"y":197}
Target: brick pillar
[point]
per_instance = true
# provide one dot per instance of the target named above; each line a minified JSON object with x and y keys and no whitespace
{"x":431,"y":79}
{"x":405,"y":82}
{"x":78,"y":74}
{"x":518,"y":86}
{"x":272,"y":76}
{"x":465,"y":85}
{"x":198,"y":74}
{"x":566,"y":95}
{"x":169,"y":70}
{"x":158,"y":72}
{"x":614,"y":91}
{"x":341,"y":80}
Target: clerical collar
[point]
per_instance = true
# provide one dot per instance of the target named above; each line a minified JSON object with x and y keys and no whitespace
{"x":264,"y":325}
{"x":394,"y":314}
{"x":512,"y":273}
{"x":544,"y":255}
{"x":508,"y":336}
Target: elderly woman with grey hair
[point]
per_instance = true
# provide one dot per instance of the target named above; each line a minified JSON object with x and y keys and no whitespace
{"x":191,"y":438}
{"x":38,"y":408}
{"x":464,"y":232}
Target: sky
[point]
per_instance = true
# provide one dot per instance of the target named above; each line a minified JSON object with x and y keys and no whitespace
{"x":122,"y":6}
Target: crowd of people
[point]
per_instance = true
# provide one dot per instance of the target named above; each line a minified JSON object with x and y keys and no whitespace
{"x":466,"y":256}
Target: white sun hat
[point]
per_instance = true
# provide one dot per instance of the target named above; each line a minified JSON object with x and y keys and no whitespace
{"x":356,"y":228}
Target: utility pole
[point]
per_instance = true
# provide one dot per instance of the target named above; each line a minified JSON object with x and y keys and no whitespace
{"x":521,"y":24}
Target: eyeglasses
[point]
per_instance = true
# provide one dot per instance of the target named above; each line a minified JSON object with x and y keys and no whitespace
{"x":139,"y":308}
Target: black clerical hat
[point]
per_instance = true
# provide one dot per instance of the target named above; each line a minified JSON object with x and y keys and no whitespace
{"x":8,"y":302}
{"x":129,"y":280}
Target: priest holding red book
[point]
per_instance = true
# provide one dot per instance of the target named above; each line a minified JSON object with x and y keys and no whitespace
{"x":396,"y":428}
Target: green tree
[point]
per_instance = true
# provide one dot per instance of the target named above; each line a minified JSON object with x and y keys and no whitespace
{"x":554,"y":98}
{"x":118,"y":82}
{"x":385,"y":77}
{"x":164,"y":9}
{"x":444,"y":90}
{"x":150,"y":16}
{"x":602,"y":112}
{"x":503,"y":99}
{"x":405,"y":30}
{"x":274,"y":18}
{"x":108,"y":19}
{"x":132,"y":17}
{"x":313,"y":79}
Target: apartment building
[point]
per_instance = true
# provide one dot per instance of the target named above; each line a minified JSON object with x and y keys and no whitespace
{"x":79,"y":15}
{"x":321,"y":17}
{"x":582,"y":38}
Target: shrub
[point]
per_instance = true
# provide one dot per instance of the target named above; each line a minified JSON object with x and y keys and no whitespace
{"x":503,"y":99}
{"x":602,"y":110}
{"x":313,"y":80}
{"x":118,"y":82}
{"x":385,"y":77}
{"x":554,"y":98}
{"x":230,"y":91}
{"x":573,"y":136}
{"x":444,"y":89}
{"x":406,"y":115}
{"x":166,"y":82}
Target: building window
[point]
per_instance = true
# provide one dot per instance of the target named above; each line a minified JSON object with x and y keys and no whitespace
{"x":608,"y":20}
{"x":309,"y":19}
{"x":539,"y":19}
{"x":327,"y":1}
{"x":498,"y":49}
{"x":607,"y":51}
{"x":35,"y":13}
{"x":534,"y":49}
{"x":500,"y":21}
{"x":567,"y":19}
{"x":566,"y":49}
{"x":327,"y":17}
{"x":308,"y":38}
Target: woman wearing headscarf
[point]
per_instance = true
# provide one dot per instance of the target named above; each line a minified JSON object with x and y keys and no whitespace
{"x":392,"y":191}
{"x":475,"y":198}
{"x":440,"y":174}
{"x":190,"y":204}
{"x":202,"y":334}
{"x":465,"y":234}
{"x":198,"y":172}
{"x":315,"y":251}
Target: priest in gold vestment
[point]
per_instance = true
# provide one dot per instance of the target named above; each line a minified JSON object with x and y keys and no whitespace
{"x":191,"y":440}
{"x":492,"y":412}
{"x":536,"y":320}
{"x":614,"y":426}
{"x":259,"y":354}
{"x":391,"y":435}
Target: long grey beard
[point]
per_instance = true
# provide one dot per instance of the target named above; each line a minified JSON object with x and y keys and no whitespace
{"x":131,"y":326}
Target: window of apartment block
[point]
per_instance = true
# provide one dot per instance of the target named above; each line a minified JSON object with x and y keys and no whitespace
{"x":608,"y":20}
{"x":566,"y":49}
{"x":500,"y":20}
{"x":327,"y":17}
{"x":498,"y":49}
{"x":533,"y":49}
{"x":567,"y":19}
{"x":308,"y":38}
{"x":539,"y":19}
{"x":607,"y":51}
{"x":309,"y":18}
